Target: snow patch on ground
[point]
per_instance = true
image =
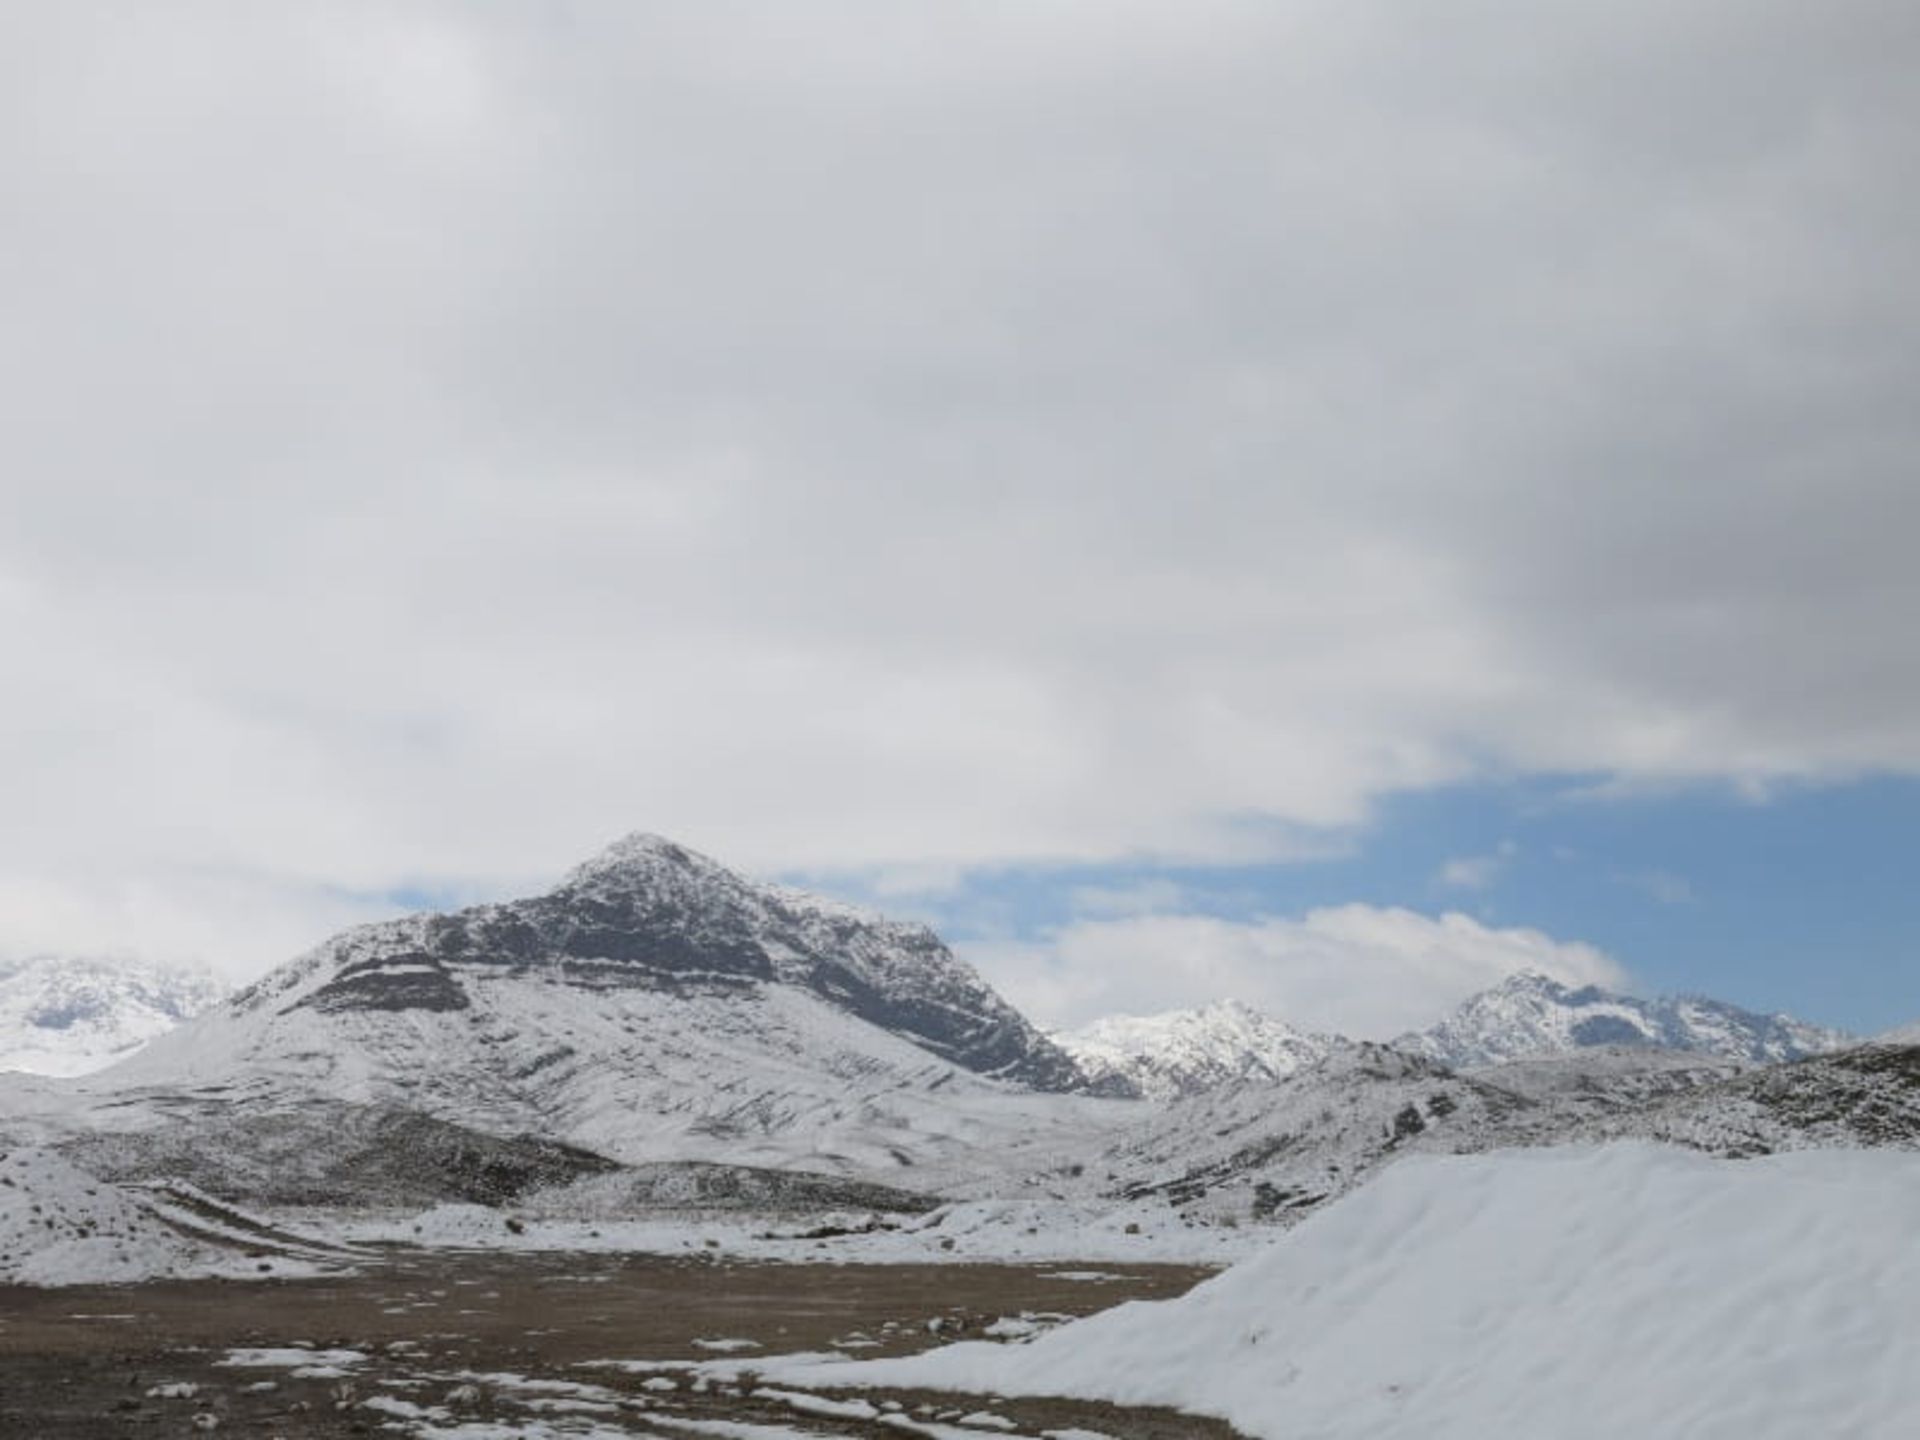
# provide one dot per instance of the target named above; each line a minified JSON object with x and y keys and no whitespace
{"x":1577,"y":1292}
{"x":297,"y":1358}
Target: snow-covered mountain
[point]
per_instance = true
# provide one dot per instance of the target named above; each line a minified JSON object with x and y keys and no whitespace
{"x":1185,"y":1052}
{"x":62,"y":1015}
{"x":654,"y":1006}
{"x":1529,"y":1015}
{"x":647,"y":914}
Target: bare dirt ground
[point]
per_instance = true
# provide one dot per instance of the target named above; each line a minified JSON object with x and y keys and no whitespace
{"x":486,"y":1347}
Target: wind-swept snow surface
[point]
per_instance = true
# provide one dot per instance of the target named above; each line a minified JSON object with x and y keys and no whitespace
{"x":1629,"y":1289}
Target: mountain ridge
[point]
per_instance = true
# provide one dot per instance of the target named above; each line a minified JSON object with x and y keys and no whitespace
{"x":1177,"y":1053}
{"x":1530,"y":1014}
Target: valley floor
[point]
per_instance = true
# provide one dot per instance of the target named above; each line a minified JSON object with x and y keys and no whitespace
{"x":461,"y":1346}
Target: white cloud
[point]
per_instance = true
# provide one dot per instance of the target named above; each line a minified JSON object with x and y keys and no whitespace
{"x":441,"y":440}
{"x":1361,"y":970}
{"x":1155,"y":896}
{"x":1470,"y":872}
{"x":1477,"y":872}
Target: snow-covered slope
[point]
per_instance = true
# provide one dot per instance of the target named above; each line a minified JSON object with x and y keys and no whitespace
{"x":1184,"y":1052}
{"x":655,"y":1006}
{"x":1530,"y":1015}
{"x":60,"y":1225}
{"x":1583,"y":1292}
{"x":63,"y":1015}
{"x":1276,"y":1151}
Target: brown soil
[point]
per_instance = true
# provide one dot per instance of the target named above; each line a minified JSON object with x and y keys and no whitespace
{"x":79,"y":1363}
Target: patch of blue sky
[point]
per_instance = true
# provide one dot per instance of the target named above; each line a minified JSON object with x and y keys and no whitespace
{"x":1804,"y":900}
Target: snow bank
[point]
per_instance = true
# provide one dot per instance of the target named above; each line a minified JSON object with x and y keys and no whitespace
{"x":1618,"y":1290}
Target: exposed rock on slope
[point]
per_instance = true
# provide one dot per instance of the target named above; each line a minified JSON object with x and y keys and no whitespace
{"x":1530,"y":1015}
{"x":1867,"y":1096}
{"x":323,"y":1153}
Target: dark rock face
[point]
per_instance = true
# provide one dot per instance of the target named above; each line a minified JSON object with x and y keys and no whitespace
{"x":703,"y":1186}
{"x":332,"y":1154}
{"x":408,"y":982}
{"x":1607,"y":1030}
{"x":649,"y":914}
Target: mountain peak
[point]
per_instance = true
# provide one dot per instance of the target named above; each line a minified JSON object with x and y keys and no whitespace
{"x":640,"y":854}
{"x":649,"y":917}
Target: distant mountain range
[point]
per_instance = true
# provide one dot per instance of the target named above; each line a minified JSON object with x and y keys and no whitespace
{"x":1186,"y":1052}
{"x":1529,"y":1015}
{"x":658,"y":1023}
{"x":649,"y":917}
{"x":63,"y":1015}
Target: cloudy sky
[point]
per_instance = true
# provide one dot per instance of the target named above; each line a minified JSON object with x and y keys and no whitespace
{"x":1329,"y":502}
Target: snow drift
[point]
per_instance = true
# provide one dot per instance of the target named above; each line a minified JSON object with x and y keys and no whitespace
{"x":1603,"y":1291}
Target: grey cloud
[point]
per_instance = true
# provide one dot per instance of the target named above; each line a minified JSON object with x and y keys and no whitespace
{"x":441,"y":437}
